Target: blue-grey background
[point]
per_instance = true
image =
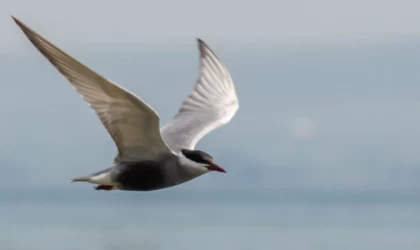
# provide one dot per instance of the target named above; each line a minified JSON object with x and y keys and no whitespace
{"x":322,"y":154}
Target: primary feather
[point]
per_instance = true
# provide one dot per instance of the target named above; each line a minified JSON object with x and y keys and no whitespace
{"x":211,"y":104}
{"x":132,"y":124}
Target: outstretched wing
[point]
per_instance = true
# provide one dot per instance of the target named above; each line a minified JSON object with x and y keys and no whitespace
{"x":132,"y":124}
{"x":211,"y":104}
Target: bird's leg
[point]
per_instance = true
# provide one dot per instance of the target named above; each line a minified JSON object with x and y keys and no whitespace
{"x":104,"y":187}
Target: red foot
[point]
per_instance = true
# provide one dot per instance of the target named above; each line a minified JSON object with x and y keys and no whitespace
{"x":104,"y":187}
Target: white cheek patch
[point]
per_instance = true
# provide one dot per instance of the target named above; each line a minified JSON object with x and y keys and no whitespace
{"x":191,"y":163}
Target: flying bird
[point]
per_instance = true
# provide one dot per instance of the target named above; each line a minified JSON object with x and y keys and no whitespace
{"x":149,"y":157}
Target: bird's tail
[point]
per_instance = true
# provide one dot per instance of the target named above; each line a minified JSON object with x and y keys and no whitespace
{"x":101,"y":177}
{"x":84,"y":178}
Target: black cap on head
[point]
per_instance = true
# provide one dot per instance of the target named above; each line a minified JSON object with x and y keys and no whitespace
{"x":197,"y":156}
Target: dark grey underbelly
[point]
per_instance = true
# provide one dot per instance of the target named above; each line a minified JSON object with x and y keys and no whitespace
{"x":140,"y":176}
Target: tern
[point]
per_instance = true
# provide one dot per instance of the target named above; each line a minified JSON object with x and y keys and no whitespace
{"x":149,"y":157}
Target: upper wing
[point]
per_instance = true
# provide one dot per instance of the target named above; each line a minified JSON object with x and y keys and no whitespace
{"x":132,"y":124}
{"x":211,"y":104}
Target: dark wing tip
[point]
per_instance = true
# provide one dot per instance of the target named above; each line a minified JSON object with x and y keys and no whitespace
{"x":199,"y":40}
{"x":205,"y":50}
{"x":18,"y":22}
{"x":203,"y":47}
{"x":201,"y":44}
{"x":28,"y":31}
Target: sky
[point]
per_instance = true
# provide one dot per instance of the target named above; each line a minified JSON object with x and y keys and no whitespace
{"x":104,"y":24}
{"x":329,"y":91}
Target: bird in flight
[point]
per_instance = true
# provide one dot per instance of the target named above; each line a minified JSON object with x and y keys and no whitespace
{"x":149,"y":157}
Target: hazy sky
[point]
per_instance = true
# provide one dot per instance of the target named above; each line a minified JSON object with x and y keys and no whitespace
{"x":329,"y":94}
{"x":104,"y":23}
{"x":329,"y":91}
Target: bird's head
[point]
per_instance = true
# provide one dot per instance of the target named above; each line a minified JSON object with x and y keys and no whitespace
{"x":200,"y":160}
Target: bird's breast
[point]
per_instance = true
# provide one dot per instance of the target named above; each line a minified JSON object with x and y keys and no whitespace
{"x":142,"y":176}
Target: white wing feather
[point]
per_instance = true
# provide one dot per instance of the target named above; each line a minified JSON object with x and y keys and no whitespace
{"x":211,"y":104}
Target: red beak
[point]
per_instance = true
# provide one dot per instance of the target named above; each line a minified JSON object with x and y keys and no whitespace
{"x":215,"y":167}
